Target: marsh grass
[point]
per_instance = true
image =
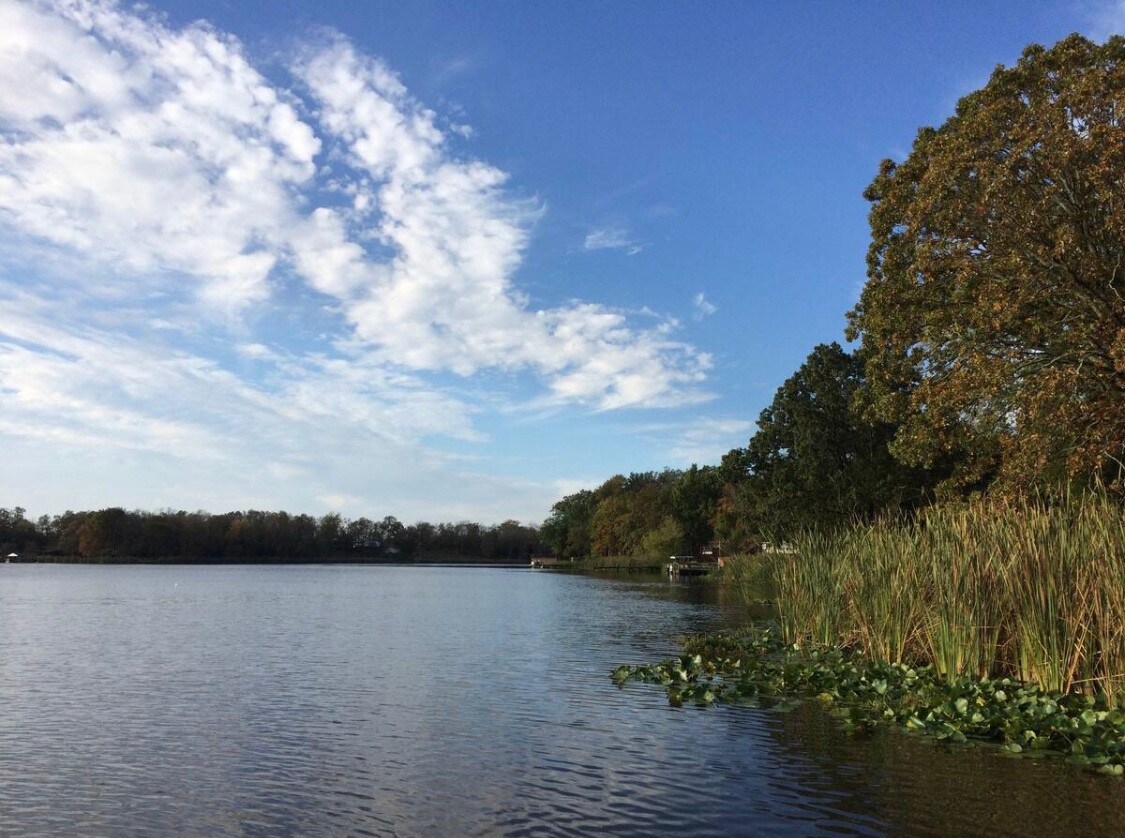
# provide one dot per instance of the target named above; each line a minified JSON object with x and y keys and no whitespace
{"x":1025,"y":589}
{"x":749,"y":577}
{"x":810,"y":594}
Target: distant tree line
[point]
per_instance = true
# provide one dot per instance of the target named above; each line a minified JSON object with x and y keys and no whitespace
{"x":990,"y":336}
{"x":116,"y":534}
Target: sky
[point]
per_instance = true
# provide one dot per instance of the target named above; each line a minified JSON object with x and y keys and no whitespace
{"x":442,"y":261}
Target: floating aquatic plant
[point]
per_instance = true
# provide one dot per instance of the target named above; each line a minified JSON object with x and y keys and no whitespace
{"x":1023,"y":718}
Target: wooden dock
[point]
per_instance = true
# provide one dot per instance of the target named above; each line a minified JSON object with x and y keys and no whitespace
{"x":689,"y":567}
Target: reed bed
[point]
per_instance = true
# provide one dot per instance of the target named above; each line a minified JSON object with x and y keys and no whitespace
{"x":1023,"y":589}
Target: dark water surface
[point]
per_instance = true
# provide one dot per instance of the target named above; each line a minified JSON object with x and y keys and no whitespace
{"x":441,"y":701}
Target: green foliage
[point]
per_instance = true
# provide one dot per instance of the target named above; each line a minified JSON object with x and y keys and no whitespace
{"x":644,"y":514}
{"x":993,"y":318}
{"x":567,"y":529}
{"x":17,"y":533}
{"x":813,"y":462}
{"x":694,"y":499}
{"x":665,"y":540}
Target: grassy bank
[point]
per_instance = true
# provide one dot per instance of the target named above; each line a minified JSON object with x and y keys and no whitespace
{"x":1016,"y":589}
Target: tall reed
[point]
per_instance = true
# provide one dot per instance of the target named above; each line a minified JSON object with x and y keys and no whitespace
{"x":963,"y":607}
{"x":749,"y":577}
{"x":1026,"y":588}
{"x":810,"y":594}
{"x":881,"y":590}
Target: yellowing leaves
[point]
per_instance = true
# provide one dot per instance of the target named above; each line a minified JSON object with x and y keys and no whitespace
{"x":998,"y":247}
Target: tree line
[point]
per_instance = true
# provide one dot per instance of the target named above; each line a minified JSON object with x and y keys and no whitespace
{"x":989,"y":338}
{"x":116,"y":534}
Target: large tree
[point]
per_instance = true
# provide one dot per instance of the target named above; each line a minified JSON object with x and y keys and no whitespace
{"x":993,"y":318}
{"x":813,"y":462}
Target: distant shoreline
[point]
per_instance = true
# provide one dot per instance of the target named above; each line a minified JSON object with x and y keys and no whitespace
{"x":276,"y":561}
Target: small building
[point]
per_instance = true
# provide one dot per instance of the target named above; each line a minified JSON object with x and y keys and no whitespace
{"x":11,"y":556}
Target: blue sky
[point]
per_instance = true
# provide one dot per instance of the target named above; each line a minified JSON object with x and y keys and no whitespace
{"x":438,"y":260}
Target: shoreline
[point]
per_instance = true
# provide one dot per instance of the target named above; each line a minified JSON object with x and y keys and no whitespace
{"x":243,"y":562}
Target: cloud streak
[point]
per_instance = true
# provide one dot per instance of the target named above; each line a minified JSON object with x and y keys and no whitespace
{"x":702,"y":306}
{"x":706,"y":439}
{"x":165,"y":156}
{"x":612,"y":238}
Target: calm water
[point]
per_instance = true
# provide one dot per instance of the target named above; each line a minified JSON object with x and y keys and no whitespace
{"x":440,"y":701}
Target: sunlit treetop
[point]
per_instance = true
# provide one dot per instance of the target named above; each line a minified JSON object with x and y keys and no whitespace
{"x":993,"y":317}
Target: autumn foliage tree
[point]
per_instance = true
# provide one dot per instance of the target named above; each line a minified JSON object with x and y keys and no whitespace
{"x":993,"y":318}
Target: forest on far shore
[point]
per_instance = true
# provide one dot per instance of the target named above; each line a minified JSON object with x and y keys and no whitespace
{"x":115,"y":534}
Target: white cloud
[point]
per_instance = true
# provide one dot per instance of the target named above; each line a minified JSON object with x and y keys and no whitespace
{"x":83,"y":384}
{"x":207,"y":271}
{"x":702,"y":307}
{"x":570,"y":486}
{"x":612,"y":238}
{"x":151,"y":149}
{"x":165,"y":155}
{"x":334,"y":501}
{"x":703,"y":439}
{"x":143,"y":423}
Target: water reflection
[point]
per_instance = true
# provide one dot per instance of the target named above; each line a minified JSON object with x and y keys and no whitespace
{"x":439,"y":701}
{"x":918,"y":786}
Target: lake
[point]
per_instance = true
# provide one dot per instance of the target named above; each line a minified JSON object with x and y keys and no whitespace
{"x":352,"y":700}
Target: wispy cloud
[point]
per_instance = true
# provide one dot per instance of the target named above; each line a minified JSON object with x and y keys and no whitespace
{"x":1103,"y":18}
{"x":701,"y":439}
{"x":570,"y":487}
{"x":706,"y":439}
{"x":166,"y":156}
{"x":276,"y":273}
{"x":702,"y":307}
{"x":612,"y":238}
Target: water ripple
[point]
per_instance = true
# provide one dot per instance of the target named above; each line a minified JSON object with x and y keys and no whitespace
{"x":426,"y":701}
